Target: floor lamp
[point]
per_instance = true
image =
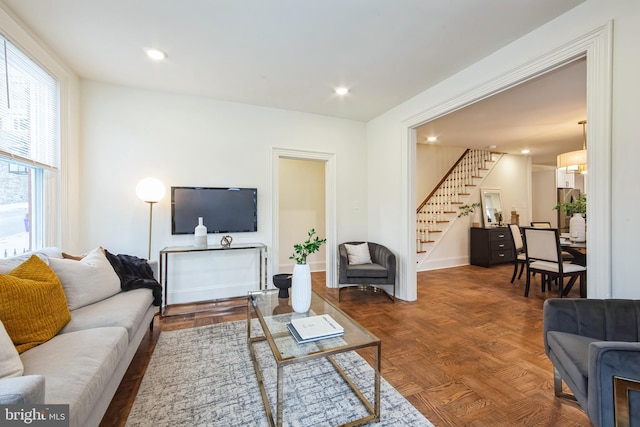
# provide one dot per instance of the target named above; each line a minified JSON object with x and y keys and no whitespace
{"x":150,"y":190}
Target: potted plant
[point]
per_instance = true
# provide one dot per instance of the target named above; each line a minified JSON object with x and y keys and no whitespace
{"x":579,"y":205}
{"x":466,"y":210}
{"x":577,"y":225}
{"x":303,"y":250}
{"x":301,"y":280}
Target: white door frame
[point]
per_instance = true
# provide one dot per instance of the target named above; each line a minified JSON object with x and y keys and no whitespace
{"x":330,"y":207}
{"x":597,"y":47}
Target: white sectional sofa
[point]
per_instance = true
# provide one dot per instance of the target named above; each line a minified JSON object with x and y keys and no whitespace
{"x":83,"y":364}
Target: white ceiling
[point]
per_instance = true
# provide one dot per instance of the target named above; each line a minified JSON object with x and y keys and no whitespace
{"x":284,"y":53}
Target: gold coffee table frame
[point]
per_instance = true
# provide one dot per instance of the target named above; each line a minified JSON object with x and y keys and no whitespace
{"x":268,"y":309}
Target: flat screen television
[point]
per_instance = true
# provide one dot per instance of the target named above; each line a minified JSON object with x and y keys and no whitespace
{"x":223,"y":210}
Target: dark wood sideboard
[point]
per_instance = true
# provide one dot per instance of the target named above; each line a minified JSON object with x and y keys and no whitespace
{"x":490,"y":246}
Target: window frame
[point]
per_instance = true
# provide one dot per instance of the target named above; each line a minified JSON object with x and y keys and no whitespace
{"x":61,"y":190}
{"x":24,"y":83}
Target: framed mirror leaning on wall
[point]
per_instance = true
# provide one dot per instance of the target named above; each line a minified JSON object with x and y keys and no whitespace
{"x":491,"y":200}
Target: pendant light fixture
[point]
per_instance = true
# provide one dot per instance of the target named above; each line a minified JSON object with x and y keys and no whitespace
{"x":575,"y":161}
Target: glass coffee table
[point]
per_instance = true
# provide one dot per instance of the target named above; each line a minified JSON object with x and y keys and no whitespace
{"x":273,"y":314}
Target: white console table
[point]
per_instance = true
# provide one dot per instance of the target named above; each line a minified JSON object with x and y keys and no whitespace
{"x":260,"y":248}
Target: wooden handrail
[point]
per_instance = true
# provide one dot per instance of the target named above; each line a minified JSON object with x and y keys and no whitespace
{"x":424,"y":202}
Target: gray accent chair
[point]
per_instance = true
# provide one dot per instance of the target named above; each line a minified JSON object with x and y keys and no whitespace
{"x":382,"y":271}
{"x":591,"y":343}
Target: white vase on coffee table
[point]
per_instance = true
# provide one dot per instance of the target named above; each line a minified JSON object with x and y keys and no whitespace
{"x":301,"y":288}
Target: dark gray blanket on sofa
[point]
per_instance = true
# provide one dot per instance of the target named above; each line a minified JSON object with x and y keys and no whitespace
{"x":135,"y":273}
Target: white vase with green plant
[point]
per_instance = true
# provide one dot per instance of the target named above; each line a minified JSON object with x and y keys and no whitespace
{"x":577,"y":224}
{"x":301,"y":280}
{"x":466,"y":210}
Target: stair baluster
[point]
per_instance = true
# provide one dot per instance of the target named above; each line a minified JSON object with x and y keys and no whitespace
{"x":440,"y":208}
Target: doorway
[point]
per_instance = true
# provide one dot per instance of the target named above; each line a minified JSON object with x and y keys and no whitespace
{"x":301,"y":207}
{"x":540,"y":115}
{"x":596,"y":47}
{"x":301,"y":211}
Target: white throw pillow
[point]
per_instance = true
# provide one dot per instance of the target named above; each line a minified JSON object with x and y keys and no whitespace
{"x":8,"y":264}
{"x":358,"y":254}
{"x":89,"y":280}
{"x":10,"y":362}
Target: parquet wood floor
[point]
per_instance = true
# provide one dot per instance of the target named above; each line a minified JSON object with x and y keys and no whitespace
{"x":468,"y":352}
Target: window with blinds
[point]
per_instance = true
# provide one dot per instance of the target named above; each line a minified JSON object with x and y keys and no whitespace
{"x":29,"y":149}
{"x":28,"y":109}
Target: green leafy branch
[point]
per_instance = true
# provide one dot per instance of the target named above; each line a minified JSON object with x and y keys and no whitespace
{"x":303,"y":250}
{"x":466,"y":210}
{"x":577,"y":206}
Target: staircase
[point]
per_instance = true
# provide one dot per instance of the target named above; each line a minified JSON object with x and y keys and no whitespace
{"x":439,"y":210}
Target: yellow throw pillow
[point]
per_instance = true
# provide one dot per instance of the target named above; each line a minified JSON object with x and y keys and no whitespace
{"x":33,"y":307}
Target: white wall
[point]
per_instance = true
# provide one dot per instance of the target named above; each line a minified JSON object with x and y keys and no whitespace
{"x":432,"y":164}
{"x":544,"y":196}
{"x":129,"y":134}
{"x":512,"y":177}
{"x":386,"y":134}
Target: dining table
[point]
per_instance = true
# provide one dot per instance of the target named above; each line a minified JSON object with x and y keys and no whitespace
{"x":579,"y":252}
{"x":577,"y":249}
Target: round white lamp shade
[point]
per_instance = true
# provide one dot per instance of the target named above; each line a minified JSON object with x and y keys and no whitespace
{"x":572,"y":160}
{"x":150,"y":190}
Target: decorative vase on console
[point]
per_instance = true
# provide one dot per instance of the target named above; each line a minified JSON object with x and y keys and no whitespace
{"x":577,"y":228}
{"x":475,"y":222}
{"x":301,"y":280}
{"x":200,"y":235}
{"x":470,"y":211}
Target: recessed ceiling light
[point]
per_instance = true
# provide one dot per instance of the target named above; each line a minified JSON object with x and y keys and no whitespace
{"x":525,"y":151}
{"x":432,"y":138}
{"x":492,"y":147}
{"x":156,"y":54}
{"x":342,"y":91}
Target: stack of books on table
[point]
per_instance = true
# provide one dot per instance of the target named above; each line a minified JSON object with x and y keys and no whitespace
{"x":313,"y":328}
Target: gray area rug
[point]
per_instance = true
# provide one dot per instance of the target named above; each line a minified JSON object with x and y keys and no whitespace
{"x":204,"y":377}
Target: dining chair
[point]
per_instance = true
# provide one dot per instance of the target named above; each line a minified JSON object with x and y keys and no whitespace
{"x":544,"y":256}
{"x":541,"y":224}
{"x":566,"y":256}
{"x":519,"y":255}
